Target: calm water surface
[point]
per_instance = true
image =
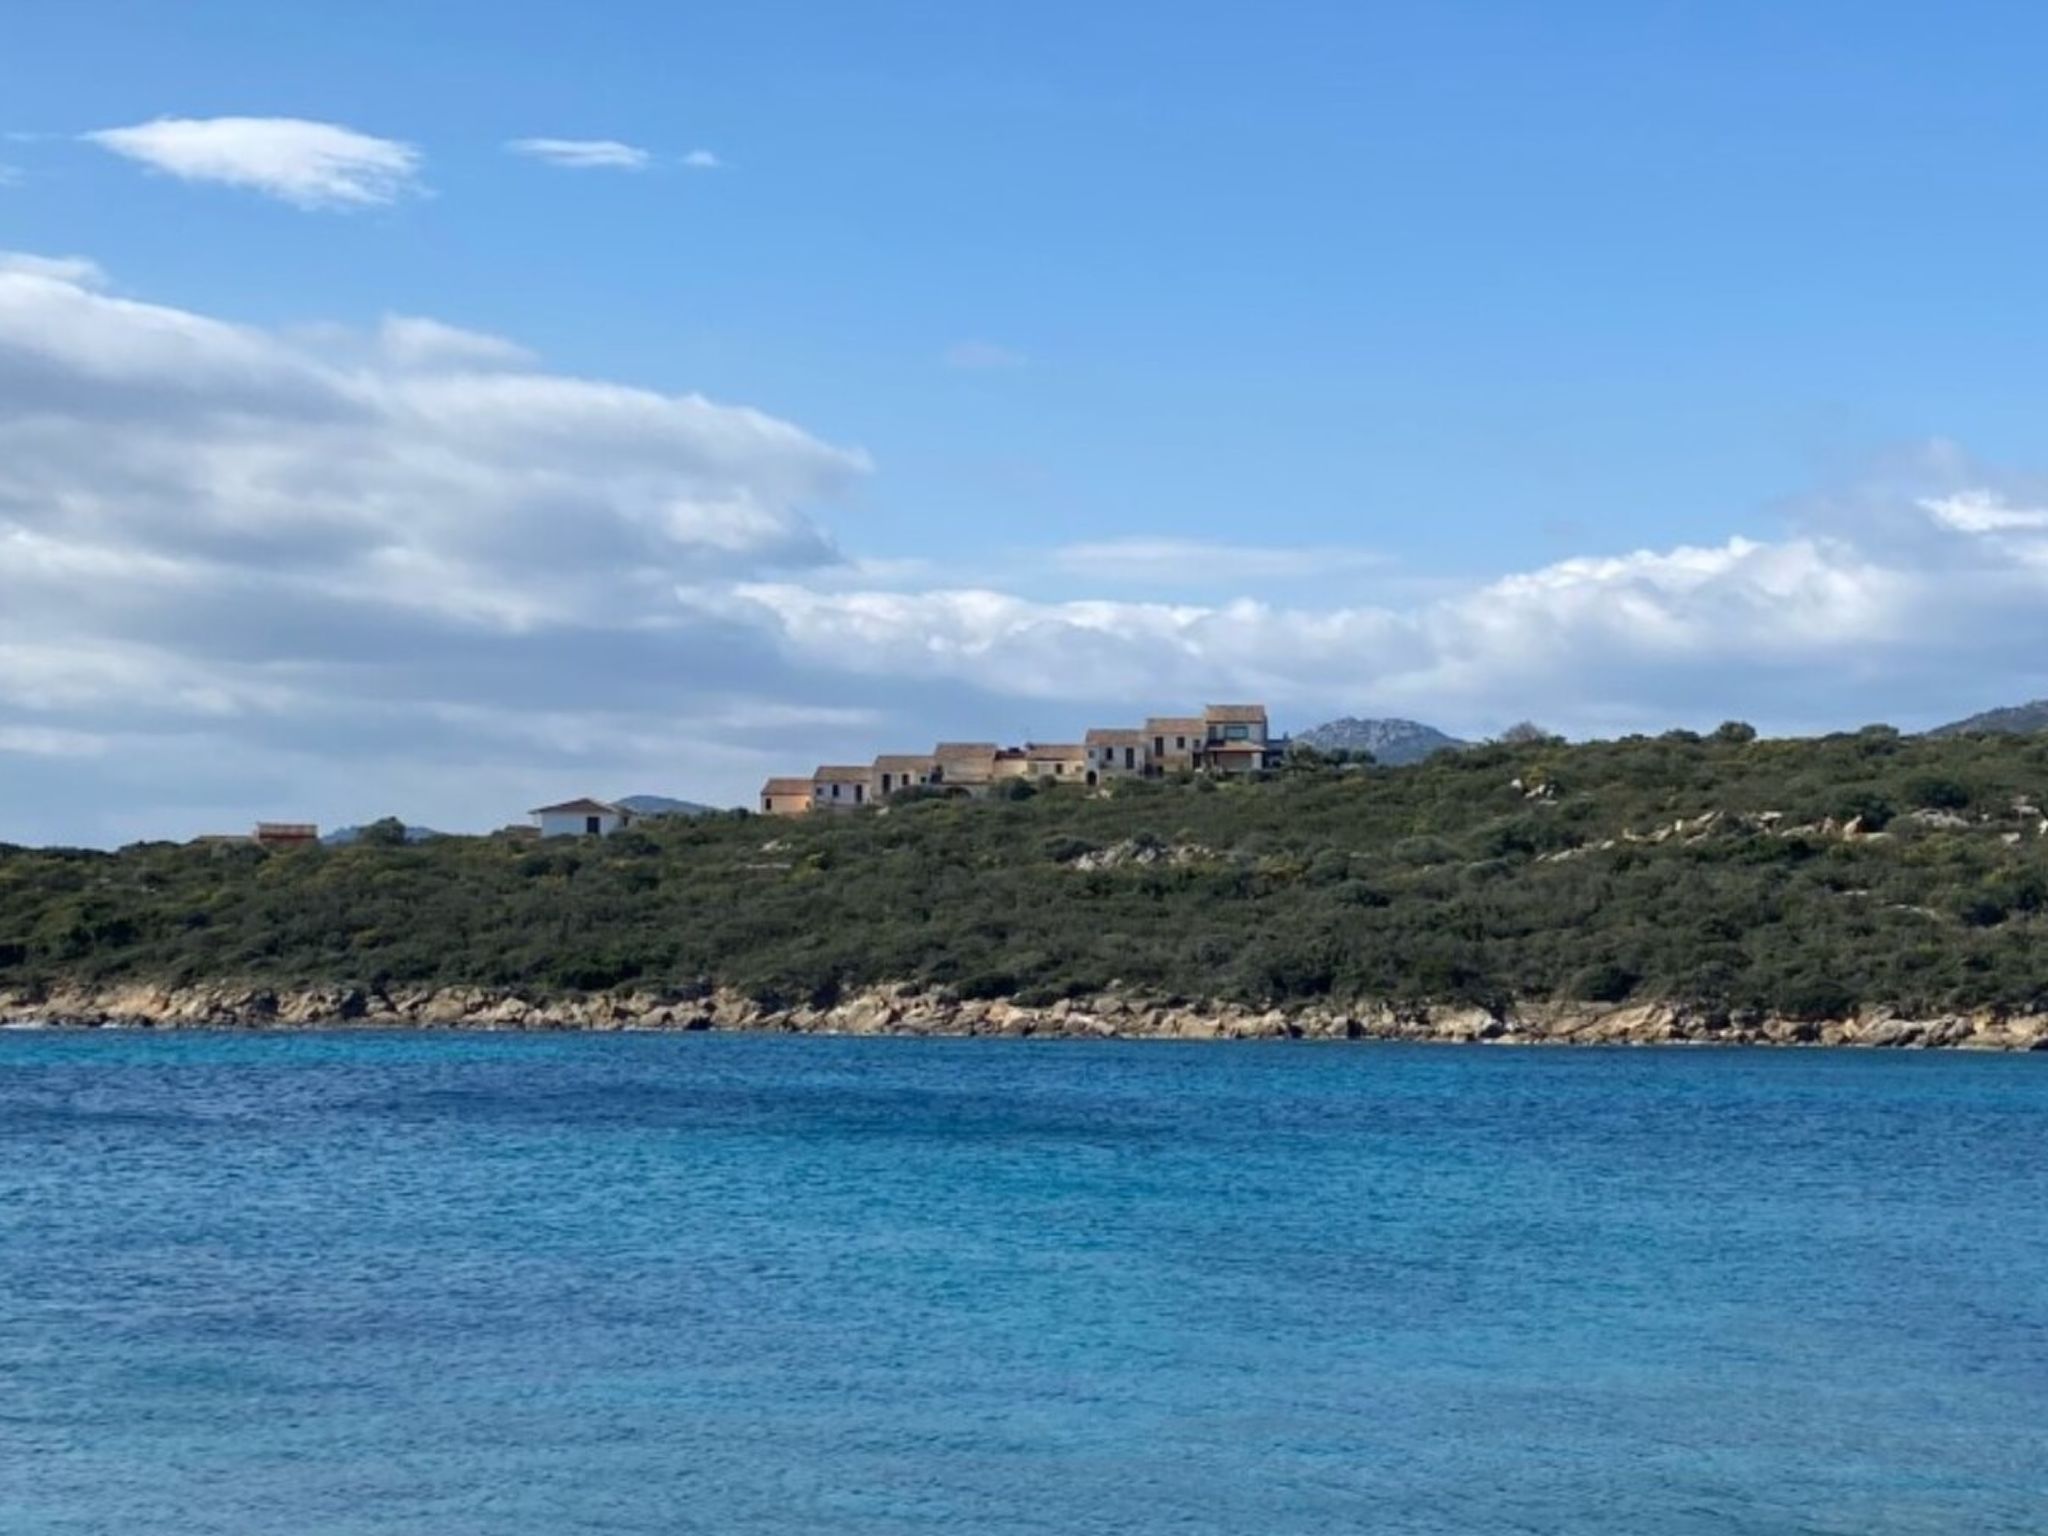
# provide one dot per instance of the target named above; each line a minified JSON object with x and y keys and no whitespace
{"x":504,"y":1286}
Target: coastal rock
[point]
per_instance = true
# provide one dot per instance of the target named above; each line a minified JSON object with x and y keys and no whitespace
{"x":909,"y":1010}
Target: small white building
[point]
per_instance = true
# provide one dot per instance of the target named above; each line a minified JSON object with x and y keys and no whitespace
{"x":581,"y":818}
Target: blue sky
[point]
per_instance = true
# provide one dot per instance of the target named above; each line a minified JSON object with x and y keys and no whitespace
{"x":1620,"y":365}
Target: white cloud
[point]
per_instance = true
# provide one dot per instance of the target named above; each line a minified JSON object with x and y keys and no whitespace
{"x":981,"y":357}
{"x":1982,"y":511}
{"x":583,"y":154}
{"x":42,"y":741}
{"x":250,"y":571}
{"x":307,"y":164}
{"x":413,"y":341}
{"x":702,"y":160}
{"x":10,"y":175}
{"x":273,"y":545}
{"x":76,"y":270}
{"x":1199,"y":563}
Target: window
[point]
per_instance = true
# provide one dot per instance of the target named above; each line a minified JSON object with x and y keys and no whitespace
{"x":1130,"y":757}
{"x":1180,"y":743}
{"x":1237,"y":733}
{"x":858,"y":789}
{"x":835,"y":791}
{"x":591,"y":826}
{"x":1159,"y":746}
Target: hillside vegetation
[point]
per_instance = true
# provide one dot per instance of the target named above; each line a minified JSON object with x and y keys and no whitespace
{"x":1805,"y":877}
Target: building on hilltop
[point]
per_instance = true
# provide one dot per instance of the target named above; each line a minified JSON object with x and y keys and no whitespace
{"x":1064,"y":762}
{"x":1235,"y":739}
{"x":786,"y":797}
{"x":286,"y":834}
{"x":1174,"y":743}
{"x":902,"y":770}
{"x":965,"y":765}
{"x":840,"y":787}
{"x":581,"y":818}
{"x":1116,"y":754}
{"x":1224,"y":738}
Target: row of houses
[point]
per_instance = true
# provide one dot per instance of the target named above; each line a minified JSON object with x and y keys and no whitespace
{"x":1223,"y":739}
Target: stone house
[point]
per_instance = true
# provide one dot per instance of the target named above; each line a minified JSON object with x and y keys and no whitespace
{"x":965,"y":765}
{"x":895,"y":771}
{"x":1116,"y":754}
{"x":840,"y":787}
{"x":1062,"y":762}
{"x":1174,"y":742}
{"x":1235,"y":739}
{"x":786,"y":797}
{"x":581,"y":818}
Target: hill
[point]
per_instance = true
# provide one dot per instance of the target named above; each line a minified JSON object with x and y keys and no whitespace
{"x":1806,"y":877}
{"x":342,"y":837}
{"x":1393,"y":742}
{"x":2018,"y":718}
{"x":663,"y":805}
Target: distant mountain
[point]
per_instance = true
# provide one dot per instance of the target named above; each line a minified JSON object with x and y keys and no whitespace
{"x":663,"y":805}
{"x":1393,"y":742}
{"x":341,"y":837}
{"x":2017,"y":720}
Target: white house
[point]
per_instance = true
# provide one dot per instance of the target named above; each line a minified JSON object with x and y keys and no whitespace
{"x":581,"y":818}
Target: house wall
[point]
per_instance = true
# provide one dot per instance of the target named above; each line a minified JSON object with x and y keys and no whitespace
{"x":786,"y":805}
{"x":839,"y":794}
{"x":576,"y":824}
{"x":1111,"y":762}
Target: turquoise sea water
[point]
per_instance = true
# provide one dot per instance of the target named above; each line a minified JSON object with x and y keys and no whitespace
{"x":514,"y":1285}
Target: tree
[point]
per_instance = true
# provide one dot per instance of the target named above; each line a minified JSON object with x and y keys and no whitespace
{"x":1735,"y":732}
{"x":384,"y":832}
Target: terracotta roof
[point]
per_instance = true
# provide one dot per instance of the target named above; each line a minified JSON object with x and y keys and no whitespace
{"x":904,"y":762}
{"x":1055,"y":749}
{"x":1103,"y":736}
{"x":1233,"y":714}
{"x":1174,"y":725}
{"x":786,"y":787}
{"x":947,"y":751}
{"x":844,"y":773}
{"x":584,"y":806}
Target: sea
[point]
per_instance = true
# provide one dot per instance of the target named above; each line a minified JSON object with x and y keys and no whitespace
{"x":527,"y":1285}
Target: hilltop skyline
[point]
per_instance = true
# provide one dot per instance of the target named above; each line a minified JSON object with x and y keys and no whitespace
{"x":450,"y":412}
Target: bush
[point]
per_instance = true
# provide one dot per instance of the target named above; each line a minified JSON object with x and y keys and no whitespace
{"x":1604,"y":983}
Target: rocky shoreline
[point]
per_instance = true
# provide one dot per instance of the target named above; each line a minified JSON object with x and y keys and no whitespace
{"x":902,"y":1010}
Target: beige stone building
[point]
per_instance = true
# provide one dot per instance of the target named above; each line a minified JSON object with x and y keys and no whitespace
{"x":1235,"y":739}
{"x":840,"y":787}
{"x":1223,"y":739}
{"x":1174,"y":742}
{"x":1062,"y":762}
{"x":965,"y":765}
{"x":902,"y":770}
{"x":786,"y":797}
{"x":1114,"y":753}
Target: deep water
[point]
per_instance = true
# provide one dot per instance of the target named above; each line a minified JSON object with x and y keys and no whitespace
{"x":505,"y":1286}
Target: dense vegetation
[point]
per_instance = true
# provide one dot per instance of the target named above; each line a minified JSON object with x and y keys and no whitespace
{"x":1522,"y":869}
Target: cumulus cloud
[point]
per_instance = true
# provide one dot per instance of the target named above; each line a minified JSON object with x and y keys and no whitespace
{"x":307,"y":164}
{"x":1200,"y":563}
{"x":69,"y":269}
{"x":280,"y":544}
{"x":255,"y":572}
{"x":583,"y":154}
{"x":1801,"y":629}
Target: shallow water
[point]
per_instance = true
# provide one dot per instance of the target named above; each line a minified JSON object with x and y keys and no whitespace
{"x":545,"y":1284}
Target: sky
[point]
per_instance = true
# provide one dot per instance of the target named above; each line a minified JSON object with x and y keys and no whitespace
{"x":443,"y":410}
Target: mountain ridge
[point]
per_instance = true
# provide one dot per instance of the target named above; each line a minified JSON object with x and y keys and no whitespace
{"x":1390,"y":740}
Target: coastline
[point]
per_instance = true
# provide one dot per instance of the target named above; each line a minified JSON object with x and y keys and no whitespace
{"x":905,"y":1011}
